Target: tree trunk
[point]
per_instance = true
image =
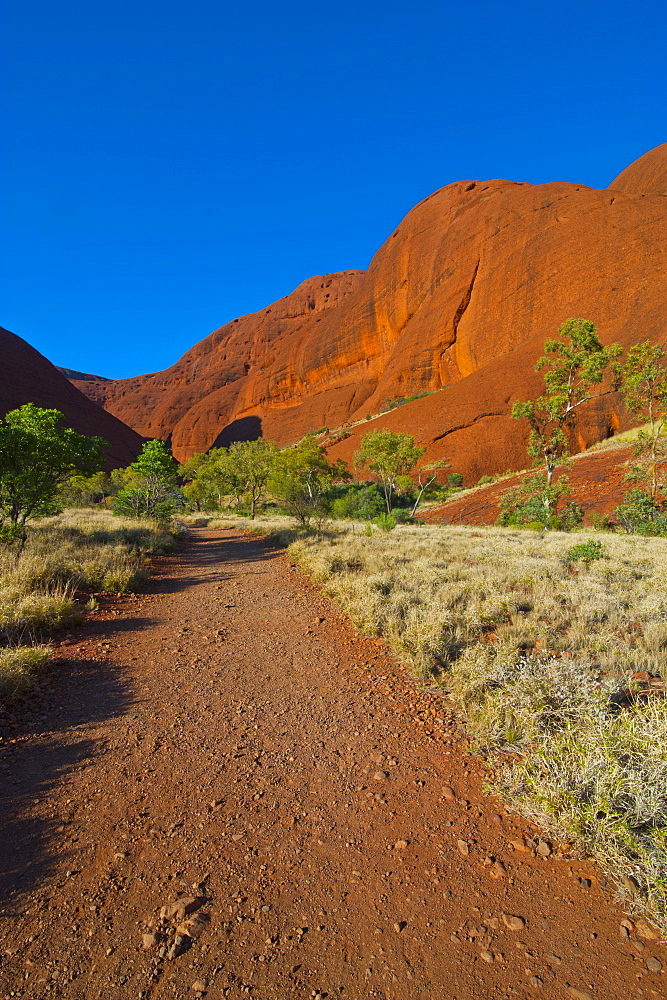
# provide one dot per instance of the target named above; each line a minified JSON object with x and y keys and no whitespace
{"x":387,"y":496}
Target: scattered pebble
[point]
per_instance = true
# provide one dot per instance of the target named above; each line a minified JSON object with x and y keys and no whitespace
{"x":513,"y":923}
{"x":646,"y":930}
{"x":497,"y":870}
{"x":180,"y":908}
{"x":193,"y":927}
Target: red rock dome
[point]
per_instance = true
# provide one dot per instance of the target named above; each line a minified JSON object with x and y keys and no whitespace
{"x":647,"y":175}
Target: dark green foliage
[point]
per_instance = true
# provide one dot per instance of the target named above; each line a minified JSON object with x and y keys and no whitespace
{"x":534,"y":503}
{"x":455,"y":480}
{"x":210,"y":480}
{"x":37,"y":457}
{"x":587,"y":552}
{"x":390,"y":457}
{"x":641,"y":514}
{"x":84,"y":491}
{"x":361,"y":502}
{"x":249,"y":466}
{"x":600,"y":522}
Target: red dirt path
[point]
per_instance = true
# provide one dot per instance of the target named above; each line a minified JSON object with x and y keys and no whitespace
{"x":228,"y":736}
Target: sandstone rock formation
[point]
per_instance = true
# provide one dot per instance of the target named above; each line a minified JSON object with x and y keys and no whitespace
{"x":647,"y":175}
{"x":27,"y":377}
{"x":457,"y":303}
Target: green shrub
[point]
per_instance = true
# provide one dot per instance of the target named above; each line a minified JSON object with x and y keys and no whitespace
{"x":600,"y":522}
{"x":587,"y":552}
{"x":385,"y":521}
{"x":533,"y":501}
{"x":641,"y":514}
{"x":358,"y":502}
{"x":455,"y":480}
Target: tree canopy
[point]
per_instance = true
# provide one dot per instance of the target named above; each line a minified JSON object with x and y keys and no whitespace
{"x":301,"y":477}
{"x":390,"y":456}
{"x":151,"y":484}
{"x":37,"y":457}
{"x":645,"y":393}
{"x":576,"y":363}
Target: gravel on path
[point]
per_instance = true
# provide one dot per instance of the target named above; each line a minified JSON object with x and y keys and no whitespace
{"x":222,"y":790}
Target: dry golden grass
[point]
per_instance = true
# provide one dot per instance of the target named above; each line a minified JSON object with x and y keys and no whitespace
{"x":539,"y":650}
{"x":18,"y":668}
{"x":80,"y":550}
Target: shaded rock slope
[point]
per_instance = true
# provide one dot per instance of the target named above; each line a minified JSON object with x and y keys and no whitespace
{"x":27,"y":377}
{"x":456,"y":303}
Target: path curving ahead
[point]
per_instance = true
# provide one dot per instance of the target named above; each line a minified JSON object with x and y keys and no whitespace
{"x":227,"y":739}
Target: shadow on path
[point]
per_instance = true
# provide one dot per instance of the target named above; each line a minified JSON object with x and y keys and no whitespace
{"x":47,"y":737}
{"x":40,"y":749}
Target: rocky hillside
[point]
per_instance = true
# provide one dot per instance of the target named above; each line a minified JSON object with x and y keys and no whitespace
{"x":456,"y":303}
{"x":27,"y":377}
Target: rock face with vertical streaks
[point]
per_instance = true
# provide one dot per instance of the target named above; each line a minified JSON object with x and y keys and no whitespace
{"x":457,"y":302}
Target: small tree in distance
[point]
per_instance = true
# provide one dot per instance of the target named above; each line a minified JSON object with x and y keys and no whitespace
{"x":301,"y":477}
{"x":576,"y":364}
{"x":37,"y":457}
{"x":152,"y":489}
{"x":645,"y":394}
{"x":390,"y":456}
{"x":248,"y":465}
{"x":578,"y":369}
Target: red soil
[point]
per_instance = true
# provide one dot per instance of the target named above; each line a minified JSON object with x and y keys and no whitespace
{"x":598,"y":485}
{"x":228,"y":736}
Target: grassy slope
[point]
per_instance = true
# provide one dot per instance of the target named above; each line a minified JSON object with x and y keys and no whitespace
{"x":77,"y":553}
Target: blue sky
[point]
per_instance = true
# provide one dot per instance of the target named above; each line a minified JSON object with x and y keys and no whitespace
{"x":169,"y":166}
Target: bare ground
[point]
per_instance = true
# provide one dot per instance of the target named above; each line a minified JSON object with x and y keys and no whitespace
{"x":227,"y":736}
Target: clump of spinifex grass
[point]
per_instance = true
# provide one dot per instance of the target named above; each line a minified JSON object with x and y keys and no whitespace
{"x":78,"y":552}
{"x":539,"y":645}
{"x":18,"y":668}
